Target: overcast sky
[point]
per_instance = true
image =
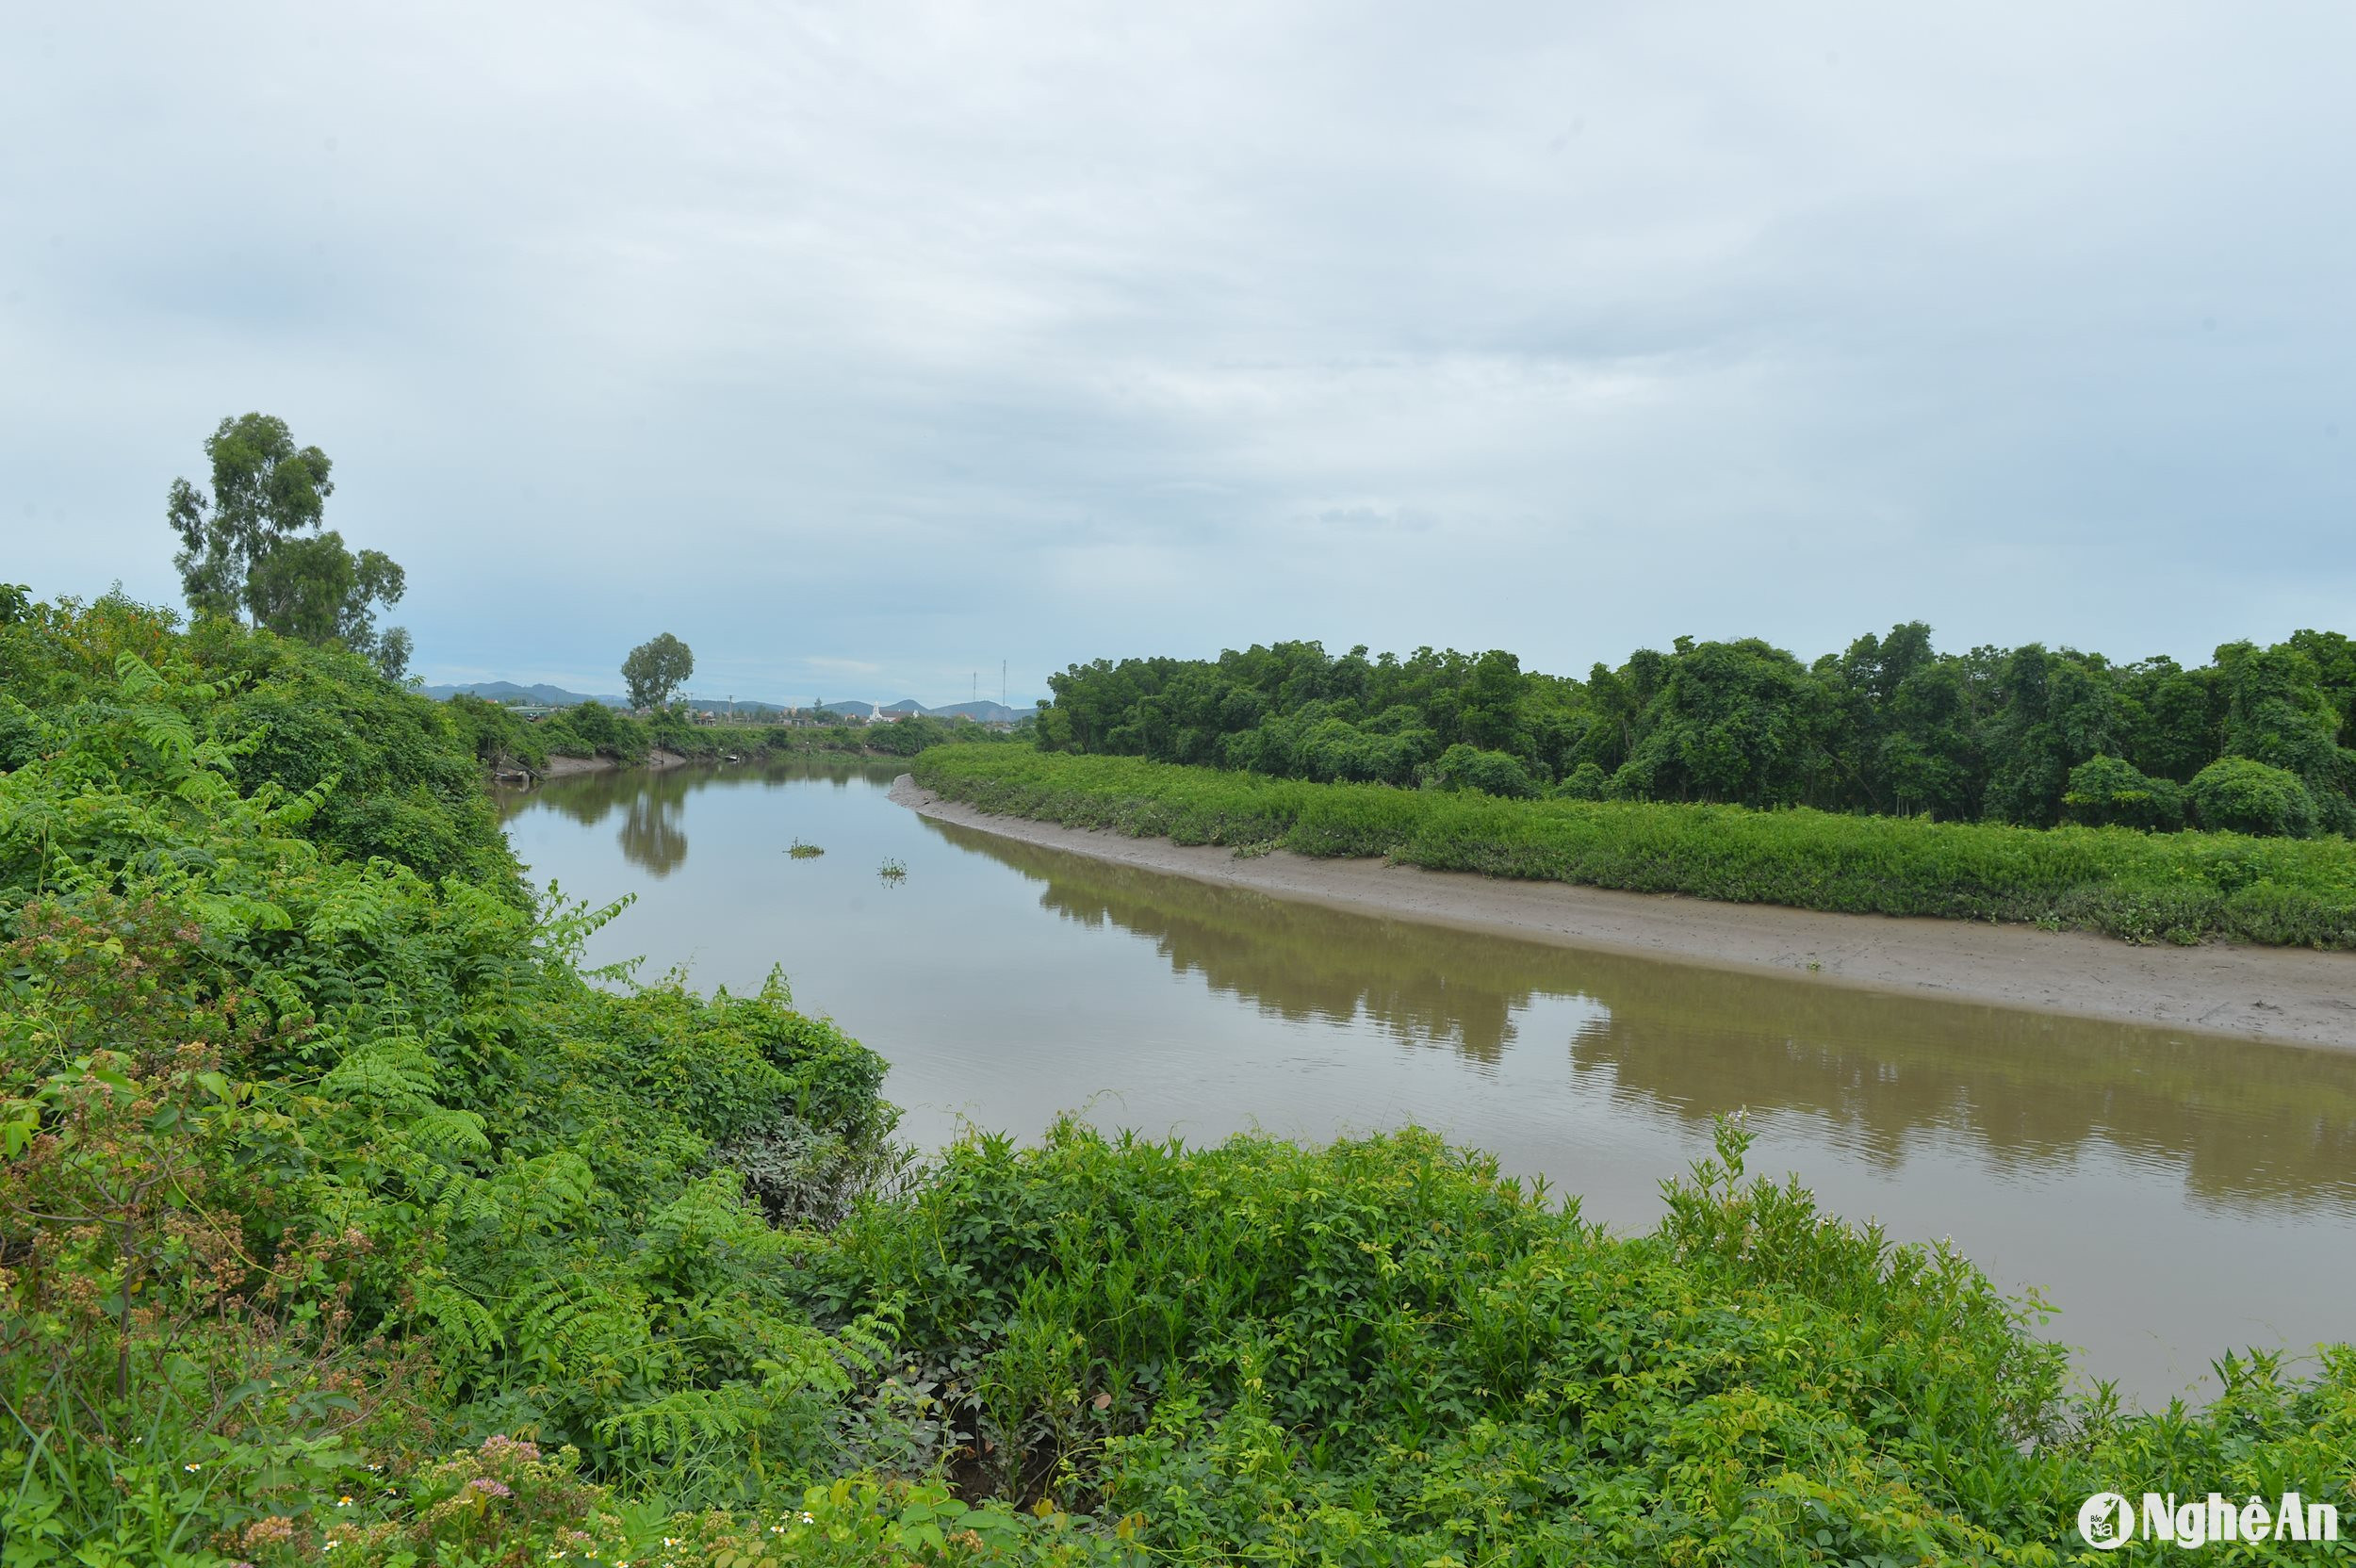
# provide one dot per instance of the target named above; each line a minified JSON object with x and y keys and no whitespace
{"x":866,"y":344}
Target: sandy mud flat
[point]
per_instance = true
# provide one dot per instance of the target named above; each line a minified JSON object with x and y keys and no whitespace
{"x":2274,"y":993}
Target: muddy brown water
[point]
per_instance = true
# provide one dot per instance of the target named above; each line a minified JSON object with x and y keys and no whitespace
{"x":2174,"y":1195}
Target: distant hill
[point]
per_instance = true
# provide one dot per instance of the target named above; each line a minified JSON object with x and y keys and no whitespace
{"x":984,"y":712}
{"x":507,"y":690}
{"x":980,"y":712}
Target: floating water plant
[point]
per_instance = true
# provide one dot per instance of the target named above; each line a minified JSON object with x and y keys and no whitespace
{"x":801,"y":851}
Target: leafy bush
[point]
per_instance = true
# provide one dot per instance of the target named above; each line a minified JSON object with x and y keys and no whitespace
{"x":593,"y":729}
{"x":2106,"y":792}
{"x":2235,"y":795}
{"x":1383,"y":1352}
{"x":496,"y":735}
{"x":1585,"y":782}
{"x":918,"y":732}
{"x":277,"y":1105}
{"x":1491,"y":773}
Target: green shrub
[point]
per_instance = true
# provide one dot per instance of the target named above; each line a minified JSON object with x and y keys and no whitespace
{"x":2235,"y":795}
{"x":496,"y":735}
{"x":318,"y":1146}
{"x":2106,"y":792}
{"x":1491,"y":773}
{"x":593,"y":729}
{"x":1585,"y":782}
{"x":1383,"y":1352}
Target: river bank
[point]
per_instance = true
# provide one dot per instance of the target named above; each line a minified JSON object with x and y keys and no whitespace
{"x":558,"y":766}
{"x":2286,"y":994}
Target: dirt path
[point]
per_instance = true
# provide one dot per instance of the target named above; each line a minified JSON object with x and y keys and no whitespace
{"x":2276,"y":993}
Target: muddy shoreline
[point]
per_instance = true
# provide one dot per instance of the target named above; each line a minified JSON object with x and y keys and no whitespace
{"x":2286,"y":994}
{"x":568,"y":767}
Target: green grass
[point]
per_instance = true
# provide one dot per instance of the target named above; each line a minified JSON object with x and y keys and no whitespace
{"x":2177,"y":887}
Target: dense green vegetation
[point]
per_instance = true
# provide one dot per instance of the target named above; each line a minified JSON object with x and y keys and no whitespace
{"x":2259,"y":742}
{"x":2140,"y":885}
{"x":341,"y":1213}
{"x":500,"y":739}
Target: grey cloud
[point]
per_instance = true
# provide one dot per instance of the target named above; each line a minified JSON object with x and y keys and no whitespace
{"x":921,"y":335}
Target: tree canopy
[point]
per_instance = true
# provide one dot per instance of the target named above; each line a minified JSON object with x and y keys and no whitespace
{"x":256,"y":545}
{"x":2030,"y":735}
{"x":655,"y":669}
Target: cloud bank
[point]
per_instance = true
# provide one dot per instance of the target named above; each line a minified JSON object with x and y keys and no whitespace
{"x":871,"y":345}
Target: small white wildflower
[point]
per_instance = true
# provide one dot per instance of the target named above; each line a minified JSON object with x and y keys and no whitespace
{"x":191,"y":1467}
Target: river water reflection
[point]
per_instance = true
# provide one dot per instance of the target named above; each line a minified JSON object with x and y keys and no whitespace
{"x":2174,"y":1195}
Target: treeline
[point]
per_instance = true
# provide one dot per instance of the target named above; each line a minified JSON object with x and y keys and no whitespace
{"x":2258,"y":741}
{"x":499,"y":739}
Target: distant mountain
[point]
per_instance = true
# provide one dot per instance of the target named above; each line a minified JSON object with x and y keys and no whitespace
{"x":864,"y":709}
{"x":507,"y":690}
{"x":981,"y":713}
{"x":984,"y":712}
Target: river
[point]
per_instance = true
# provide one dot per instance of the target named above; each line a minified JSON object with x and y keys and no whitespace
{"x":2174,"y":1195}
